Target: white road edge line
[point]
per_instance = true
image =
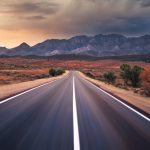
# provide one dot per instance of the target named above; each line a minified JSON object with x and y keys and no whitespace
{"x":1,"y":102}
{"x":129,"y":107}
{"x":75,"y":121}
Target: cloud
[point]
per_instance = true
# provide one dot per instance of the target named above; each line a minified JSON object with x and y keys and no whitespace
{"x":38,"y":18}
{"x":30,"y":8}
{"x":145,"y":3}
{"x":104,"y":16}
{"x":65,"y":18}
{"x":34,"y":7}
{"x":129,"y":26}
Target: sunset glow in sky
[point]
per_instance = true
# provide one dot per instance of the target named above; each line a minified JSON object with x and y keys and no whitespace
{"x":33,"y":21}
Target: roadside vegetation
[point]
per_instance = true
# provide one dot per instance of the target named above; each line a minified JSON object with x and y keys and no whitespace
{"x":90,"y":75}
{"x":19,"y":69}
{"x":133,"y":78}
{"x":131,"y":74}
{"x":56,"y":71}
{"x":109,"y":77}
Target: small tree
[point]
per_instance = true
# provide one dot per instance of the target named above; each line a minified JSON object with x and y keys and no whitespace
{"x":90,"y":75}
{"x":125,"y":72}
{"x":109,"y":77}
{"x":131,"y":74}
{"x":135,"y":75}
{"x":52,"y":72}
{"x":55,"y":72}
{"x":60,"y":71}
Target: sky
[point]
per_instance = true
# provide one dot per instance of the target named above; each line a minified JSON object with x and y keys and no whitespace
{"x":34,"y":21}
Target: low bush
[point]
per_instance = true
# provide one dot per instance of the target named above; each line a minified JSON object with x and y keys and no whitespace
{"x":131,"y":74}
{"x":135,"y":76}
{"x":125,"y":72}
{"x":56,"y":71}
{"x":90,"y":75}
{"x":109,"y":77}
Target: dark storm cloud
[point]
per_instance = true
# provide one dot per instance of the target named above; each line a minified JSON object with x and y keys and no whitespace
{"x":109,"y":16}
{"x":145,"y":3}
{"x":82,"y":16}
{"x":142,"y":3}
{"x":128,"y":26}
{"x":35,"y":8}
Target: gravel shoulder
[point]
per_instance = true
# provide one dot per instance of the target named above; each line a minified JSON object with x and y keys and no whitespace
{"x":140,"y":102}
{"x":12,"y":89}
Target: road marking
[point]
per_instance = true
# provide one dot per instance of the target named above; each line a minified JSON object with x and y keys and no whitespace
{"x":1,"y":102}
{"x":129,"y":107}
{"x":75,"y":121}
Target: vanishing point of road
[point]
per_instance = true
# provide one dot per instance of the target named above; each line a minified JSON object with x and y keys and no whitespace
{"x":71,"y":114}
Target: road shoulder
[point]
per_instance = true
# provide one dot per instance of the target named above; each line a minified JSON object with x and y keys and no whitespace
{"x":141,"y":103}
{"x":12,"y":89}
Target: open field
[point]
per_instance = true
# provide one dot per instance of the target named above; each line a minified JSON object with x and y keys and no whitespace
{"x":12,"y":89}
{"x":15,"y":76}
{"x":15,"y":70}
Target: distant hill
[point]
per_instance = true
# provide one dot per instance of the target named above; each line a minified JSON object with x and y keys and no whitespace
{"x":96,"y":46}
{"x":144,"y":58}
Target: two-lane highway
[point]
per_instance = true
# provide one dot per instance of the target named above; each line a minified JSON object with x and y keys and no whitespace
{"x":68,"y":114}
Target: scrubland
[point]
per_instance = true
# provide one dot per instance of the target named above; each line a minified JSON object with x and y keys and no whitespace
{"x":16,"y":69}
{"x":26,"y":73}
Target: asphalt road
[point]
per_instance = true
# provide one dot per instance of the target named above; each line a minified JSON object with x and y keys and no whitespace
{"x":70,"y":114}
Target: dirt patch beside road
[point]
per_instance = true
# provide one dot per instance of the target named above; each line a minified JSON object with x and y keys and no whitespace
{"x":12,"y":89}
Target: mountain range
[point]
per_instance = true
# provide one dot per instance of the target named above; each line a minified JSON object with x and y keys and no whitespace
{"x":98,"y":45}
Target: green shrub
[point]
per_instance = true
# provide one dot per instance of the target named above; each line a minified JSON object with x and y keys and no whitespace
{"x":109,"y":77}
{"x":55,"y":72}
{"x":135,"y":75}
{"x":52,"y":72}
{"x":90,"y":75}
{"x":125,"y":72}
{"x":60,"y":71}
{"x":131,"y":74}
